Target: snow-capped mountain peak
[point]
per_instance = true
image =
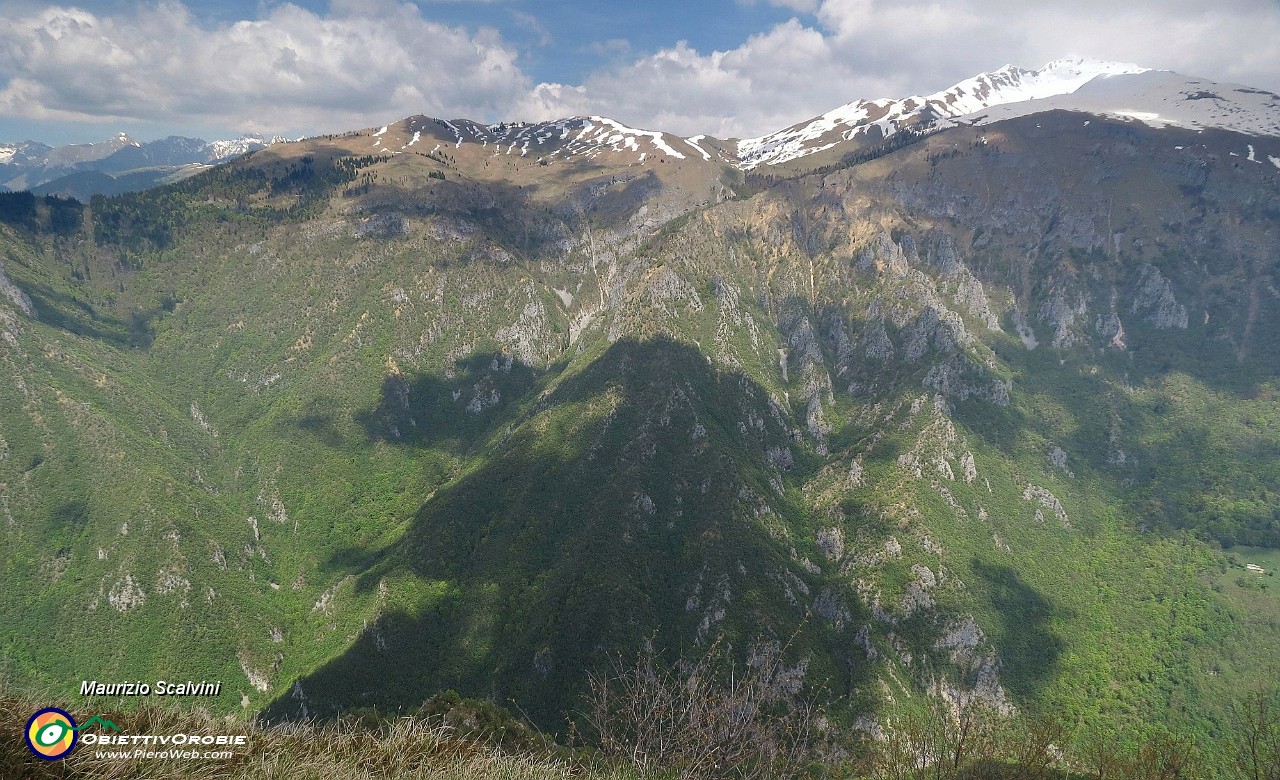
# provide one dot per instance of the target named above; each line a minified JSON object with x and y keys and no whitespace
{"x":219,"y":151}
{"x":22,"y":152}
{"x":1158,"y":99}
{"x":1012,"y":84}
{"x":877,"y":119}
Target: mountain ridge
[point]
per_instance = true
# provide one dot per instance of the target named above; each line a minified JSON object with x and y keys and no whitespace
{"x":880,"y":118}
{"x":1119,"y":90}
{"x":1122,"y":90}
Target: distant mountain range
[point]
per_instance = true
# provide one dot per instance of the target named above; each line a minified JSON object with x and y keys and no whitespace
{"x":1107,"y":89}
{"x":120,"y":164}
{"x":1111,"y":89}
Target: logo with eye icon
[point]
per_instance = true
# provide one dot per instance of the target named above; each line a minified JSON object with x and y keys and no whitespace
{"x":51,"y":734}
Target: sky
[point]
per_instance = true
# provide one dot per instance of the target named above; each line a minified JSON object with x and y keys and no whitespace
{"x":81,"y":72}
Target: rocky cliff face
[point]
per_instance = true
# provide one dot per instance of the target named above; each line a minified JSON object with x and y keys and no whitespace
{"x":390,"y":423}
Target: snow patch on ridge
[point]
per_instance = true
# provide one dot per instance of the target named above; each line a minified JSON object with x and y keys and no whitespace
{"x":564,"y":139}
{"x":628,"y":135}
{"x":1159,"y":99}
{"x":693,"y":141}
{"x":455,"y":130}
{"x":882,"y":118}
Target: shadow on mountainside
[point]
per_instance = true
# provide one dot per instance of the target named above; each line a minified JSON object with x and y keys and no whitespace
{"x":453,"y":412}
{"x":1030,"y":651}
{"x":71,"y":314}
{"x":625,"y":503}
{"x":534,"y":220}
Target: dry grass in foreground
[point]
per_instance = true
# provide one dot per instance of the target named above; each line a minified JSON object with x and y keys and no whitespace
{"x":410,"y":748}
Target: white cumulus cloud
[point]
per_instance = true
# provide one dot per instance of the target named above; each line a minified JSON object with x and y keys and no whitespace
{"x":853,"y":49}
{"x":363,"y":62}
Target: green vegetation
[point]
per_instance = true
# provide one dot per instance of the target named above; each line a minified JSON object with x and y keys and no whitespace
{"x":343,"y":433}
{"x":50,"y":213}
